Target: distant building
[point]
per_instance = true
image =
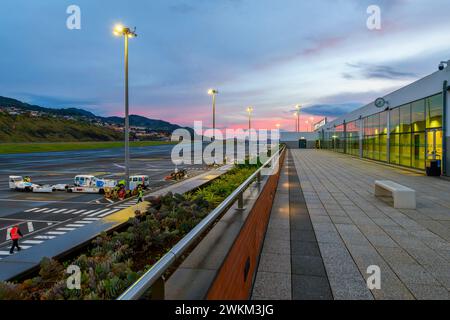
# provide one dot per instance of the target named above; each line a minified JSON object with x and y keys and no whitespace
{"x":296,"y":140}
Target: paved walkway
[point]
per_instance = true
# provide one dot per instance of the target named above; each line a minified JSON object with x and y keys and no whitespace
{"x":355,"y":230}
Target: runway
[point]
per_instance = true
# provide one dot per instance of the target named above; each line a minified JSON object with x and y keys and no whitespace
{"x":43,"y":217}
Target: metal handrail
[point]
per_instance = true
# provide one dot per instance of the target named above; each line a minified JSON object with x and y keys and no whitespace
{"x":145,"y":282}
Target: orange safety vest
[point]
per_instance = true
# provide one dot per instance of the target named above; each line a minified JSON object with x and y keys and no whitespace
{"x":14,"y":233}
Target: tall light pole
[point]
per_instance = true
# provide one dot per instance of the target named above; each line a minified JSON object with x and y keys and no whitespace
{"x":312,"y":123}
{"x":296,"y":121}
{"x":121,"y":31}
{"x":213,"y":93}
{"x":249,"y":111}
{"x":298,"y":107}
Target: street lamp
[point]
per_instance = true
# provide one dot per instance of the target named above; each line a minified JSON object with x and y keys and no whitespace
{"x":121,"y":31}
{"x":312,"y":123}
{"x":298,"y":107}
{"x":296,"y":121}
{"x":307,"y":126}
{"x":213,"y":93}
{"x":249,"y":111}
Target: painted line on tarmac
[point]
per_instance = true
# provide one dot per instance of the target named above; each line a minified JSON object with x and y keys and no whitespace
{"x":88,"y":212}
{"x":45,"y":237}
{"x":32,"y":241}
{"x":97,"y":213}
{"x":108,"y":213}
{"x":45,"y":201}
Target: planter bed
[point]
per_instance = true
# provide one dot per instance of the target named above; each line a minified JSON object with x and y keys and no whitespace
{"x":114,"y":261}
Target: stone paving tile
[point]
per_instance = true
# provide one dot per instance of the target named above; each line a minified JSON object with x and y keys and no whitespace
{"x":278,"y":233}
{"x":427,"y":292}
{"x":273,"y":245}
{"x":310,"y":288}
{"x":304,"y":248}
{"x":303,"y":235}
{"x":308,"y":265}
{"x":274,"y":262}
{"x":270,"y":285}
{"x":414,"y":273}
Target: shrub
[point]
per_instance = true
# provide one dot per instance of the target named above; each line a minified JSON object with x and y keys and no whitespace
{"x":114,"y":261}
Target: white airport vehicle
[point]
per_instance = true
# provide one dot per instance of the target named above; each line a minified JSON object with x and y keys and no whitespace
{"x":91,"y":184}
{"x":137,"y":180}
{"x":18,"y":183}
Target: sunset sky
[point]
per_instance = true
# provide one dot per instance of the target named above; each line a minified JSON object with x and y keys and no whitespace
{"x":270,"y":54}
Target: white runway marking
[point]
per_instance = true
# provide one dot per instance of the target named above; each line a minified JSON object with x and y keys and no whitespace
{"x":31,"y":210}
{"x":60,"y":211}
{"x":70,"y":211}
{"x":93,"y":219}
{"x":109,"y":212}
{"x":50,"y":210}
{"x":4,"y":253}
{"x":74,"y":225}
{"x":40,"y":210}
{"x":32,"y":241}
{"x":98,"y":212}
{"x":65,"y":229}
{"x":84,"y":222}
{"x":55,"y":233}
{"x":88,"y":212}
{"x":45,"y":237}
{"x":80,"y":211}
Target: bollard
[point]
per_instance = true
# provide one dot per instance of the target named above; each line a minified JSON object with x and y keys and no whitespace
{"x":241,"y":201}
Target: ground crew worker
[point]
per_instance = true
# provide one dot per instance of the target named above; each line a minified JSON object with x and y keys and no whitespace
{"x":15,"y":235}
{"x":140,"y":195}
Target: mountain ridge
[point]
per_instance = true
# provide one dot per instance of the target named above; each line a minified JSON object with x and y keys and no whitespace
{"x":135,"y":120}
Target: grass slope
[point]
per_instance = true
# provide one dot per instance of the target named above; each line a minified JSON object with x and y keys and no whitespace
{"x":10,"y":148}
{"x":48,"y":129}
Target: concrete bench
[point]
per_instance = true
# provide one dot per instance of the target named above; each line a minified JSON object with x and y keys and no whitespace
{"x":404,"y":197}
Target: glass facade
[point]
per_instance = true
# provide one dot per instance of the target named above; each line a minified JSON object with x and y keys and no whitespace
{"x":352,"y":137}
{"x":407,"y":135}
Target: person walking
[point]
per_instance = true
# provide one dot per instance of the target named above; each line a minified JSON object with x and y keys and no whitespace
{"x":140,"y":195}
{"x":15,"y":235}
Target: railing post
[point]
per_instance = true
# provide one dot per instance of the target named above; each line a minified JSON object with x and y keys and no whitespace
{"x":258,"y":177}
{"x":241,"y":201}
{"x":158,"y":290}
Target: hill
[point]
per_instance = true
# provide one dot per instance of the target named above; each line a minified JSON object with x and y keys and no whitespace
{"x":23,"y":122}
{"x":24,"y":128}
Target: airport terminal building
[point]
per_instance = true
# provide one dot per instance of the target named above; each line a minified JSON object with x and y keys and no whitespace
{"x":406,"y":127}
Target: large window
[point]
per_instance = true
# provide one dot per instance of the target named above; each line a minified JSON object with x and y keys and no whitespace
{"x":375,"y":137}
{"x":352,"y":137}
{"x":414,"y":128}
{"x":434,"y":111}
{"x":418,"y":134}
